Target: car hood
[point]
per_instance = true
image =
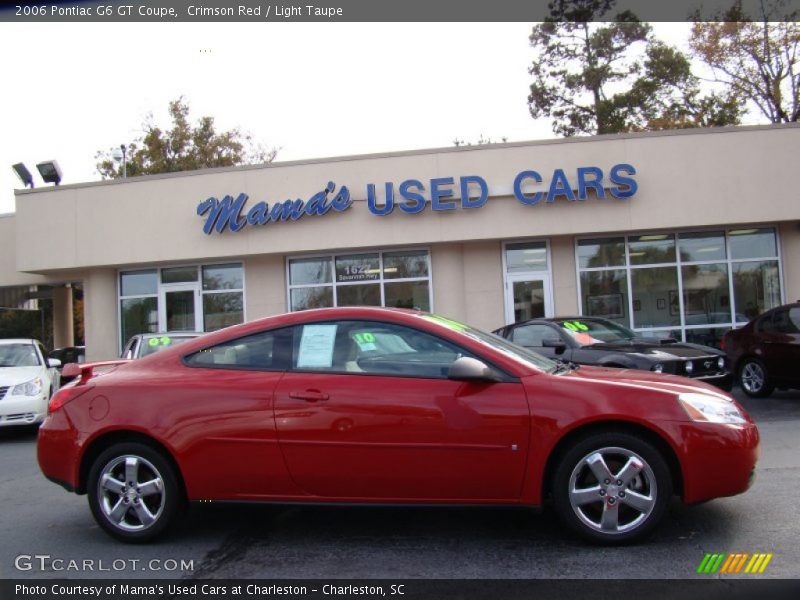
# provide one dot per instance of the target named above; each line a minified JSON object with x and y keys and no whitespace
{"x":656,"y":350}
{"x":15,"y":375}
{"x":671,"y":384}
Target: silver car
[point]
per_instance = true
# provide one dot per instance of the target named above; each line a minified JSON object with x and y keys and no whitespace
{"x":143,"y":344}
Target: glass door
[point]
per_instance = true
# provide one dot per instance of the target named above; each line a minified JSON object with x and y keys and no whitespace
{"x":179,"y":308}
{"x":528,"y":297}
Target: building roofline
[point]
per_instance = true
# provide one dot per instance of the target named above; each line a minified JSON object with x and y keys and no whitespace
{"x":417,"y":152}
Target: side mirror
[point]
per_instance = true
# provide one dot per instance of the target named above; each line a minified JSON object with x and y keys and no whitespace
{"x":471,"y":369}
{"x":557,"y":344}
{"x":53,"y":363}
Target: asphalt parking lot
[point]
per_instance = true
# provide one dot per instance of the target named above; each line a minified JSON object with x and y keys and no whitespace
{"x":40,"y":519}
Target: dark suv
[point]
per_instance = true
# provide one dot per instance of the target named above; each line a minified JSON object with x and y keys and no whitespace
{"x":765,"y":353}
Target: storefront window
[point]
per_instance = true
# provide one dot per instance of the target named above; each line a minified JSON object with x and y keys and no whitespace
{"x":223,"y":277}
{"x":358,"y":295}
{"x":357,"y":267}
{"x":408,"y":294}
{"x":651,"y":249}
{"x":605,"y":294}
{"x":396,"y":279}
{"x":311,"y":297}
{"x":401,"y":265}
{"x":222,"y":310}
{"x":702,"y":246}
{"x":138,"y":315}
{"x":303,"y":271}
{"x":681,"y":283}
{"x":174,"y":299}
{"x":756,"y":288}
{"x":138,"y":283}
{"x":706,"y":294}
{"x":531,"y":256}
{"x":752,"y":243}
{"x":179,"y":275}
{"x":604,"y":252}
{"x":655,"y":297}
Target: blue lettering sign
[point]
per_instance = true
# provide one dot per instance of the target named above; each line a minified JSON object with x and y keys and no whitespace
{"x":520,"y":195}
{"x":228,"y":213}
{"x":629,"y":185}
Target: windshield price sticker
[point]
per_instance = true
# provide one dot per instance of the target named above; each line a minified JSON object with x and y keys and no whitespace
{"x":162,"y":341}
{"x":365,"y":341}
{"x":575,"y":326}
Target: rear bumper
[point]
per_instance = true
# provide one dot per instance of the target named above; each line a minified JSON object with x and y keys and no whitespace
{"x":58,"y":452}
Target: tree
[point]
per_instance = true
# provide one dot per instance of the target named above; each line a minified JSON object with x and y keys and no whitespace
{"x":183,"y":147}
{"x":593,"y":78}
{"x":758,"y":61}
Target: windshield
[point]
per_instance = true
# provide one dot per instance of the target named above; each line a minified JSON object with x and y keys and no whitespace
{"x":18,"y":355}
{"x":498,"y":344}
{"x":152,"y":344}
{"x":586,"y":332}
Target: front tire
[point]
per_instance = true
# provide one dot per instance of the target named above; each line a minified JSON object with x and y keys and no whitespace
{"x":612,"y":488}
{"x":133,"y":492}
{"x":753,"y":378}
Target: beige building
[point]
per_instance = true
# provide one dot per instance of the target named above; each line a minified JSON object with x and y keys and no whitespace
{"x":680,"y":233}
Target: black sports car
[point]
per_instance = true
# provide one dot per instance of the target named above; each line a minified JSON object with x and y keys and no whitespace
{"x":603,"y":343}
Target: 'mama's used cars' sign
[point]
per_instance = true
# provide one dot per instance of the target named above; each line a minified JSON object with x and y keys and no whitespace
{"x":412,"y":196}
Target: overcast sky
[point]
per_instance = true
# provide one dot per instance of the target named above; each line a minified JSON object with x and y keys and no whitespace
{"x":312,"y":90}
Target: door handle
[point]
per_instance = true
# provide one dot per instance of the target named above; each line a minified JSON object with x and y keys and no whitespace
{"x":309,"y":396}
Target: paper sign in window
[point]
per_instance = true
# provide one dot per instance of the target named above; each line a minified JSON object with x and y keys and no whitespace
{"x":316,"y":346}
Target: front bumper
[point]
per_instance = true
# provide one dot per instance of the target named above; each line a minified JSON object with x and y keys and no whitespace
{"x":22,"y":410}
{"x":718,"y":460}
{"x":724,"y":381}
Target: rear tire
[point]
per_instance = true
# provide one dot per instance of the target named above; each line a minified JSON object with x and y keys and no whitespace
{"x":753,"y":378}
{"x":612,"y":488}
{"x":133,"y":492}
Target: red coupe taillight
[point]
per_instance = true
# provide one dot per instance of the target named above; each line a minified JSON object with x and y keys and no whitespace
{"x":65,"y":395}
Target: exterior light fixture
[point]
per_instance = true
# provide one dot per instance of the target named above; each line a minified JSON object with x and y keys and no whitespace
{"x":24,"y":175}
{"x":50,"y":171}
{"x":121,"y":156}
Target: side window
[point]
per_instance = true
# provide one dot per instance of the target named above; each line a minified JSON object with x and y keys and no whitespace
{"x":372,"y":348}
{"x":766,"y":323}
{"x":794,"y":320}
{"x":534,"y":335}
{"x":783,"y":321}
{"x":263,"y":350}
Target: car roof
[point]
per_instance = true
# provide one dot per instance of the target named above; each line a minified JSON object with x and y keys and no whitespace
{"x":170,"y":334}
{"x":18,"y":341}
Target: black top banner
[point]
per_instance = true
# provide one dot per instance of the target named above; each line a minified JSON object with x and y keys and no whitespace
{"x":253,"y":11}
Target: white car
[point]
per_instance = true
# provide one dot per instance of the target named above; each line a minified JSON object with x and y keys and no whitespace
{"x":27,"y":380}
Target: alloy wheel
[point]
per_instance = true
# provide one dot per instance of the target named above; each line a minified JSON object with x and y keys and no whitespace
{"x":131,"y":493}
{"x":612,"y":490}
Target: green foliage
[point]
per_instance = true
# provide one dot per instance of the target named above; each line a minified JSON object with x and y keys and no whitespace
{"x":183,"y":147}
{"x":594,"y":78}
{"x":757,"y":61}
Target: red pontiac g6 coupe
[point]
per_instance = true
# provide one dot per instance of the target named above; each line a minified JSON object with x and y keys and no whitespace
{"x":388,"y":406}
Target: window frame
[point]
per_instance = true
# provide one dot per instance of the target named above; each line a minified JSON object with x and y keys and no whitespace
{"x":160,"y":287}
{"x":381,"y":281}
{"x":729,"y":262}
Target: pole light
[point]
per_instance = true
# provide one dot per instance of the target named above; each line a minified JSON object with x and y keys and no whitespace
{"x":24,"y":175}
{"x":121,"y":155}
{"x":50,"y":171}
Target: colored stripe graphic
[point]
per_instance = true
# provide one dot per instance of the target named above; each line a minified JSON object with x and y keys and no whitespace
{"x":734,"y":563}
